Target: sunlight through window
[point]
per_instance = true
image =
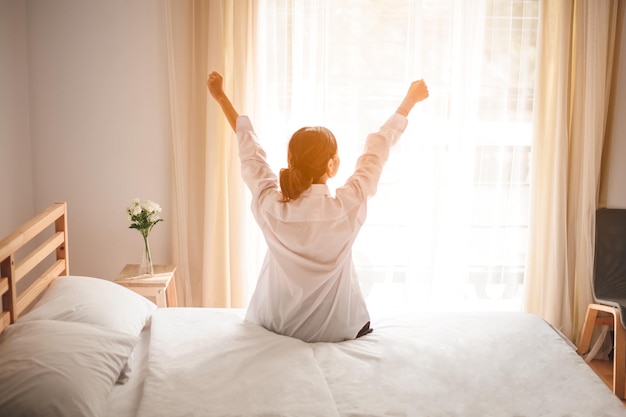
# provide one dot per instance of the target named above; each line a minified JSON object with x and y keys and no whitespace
{"x":448,"y":226}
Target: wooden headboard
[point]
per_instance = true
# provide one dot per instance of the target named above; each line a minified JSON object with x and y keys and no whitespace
{"x":18,"y":258}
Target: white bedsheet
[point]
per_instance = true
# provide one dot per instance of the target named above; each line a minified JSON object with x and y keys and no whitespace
{"x":210,"y":363}
{"x":124,"y":399}
{"x":206,"y":362}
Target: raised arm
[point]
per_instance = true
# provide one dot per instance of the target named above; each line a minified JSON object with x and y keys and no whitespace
{"x":214,"y":84}
{"x":418,"y":91}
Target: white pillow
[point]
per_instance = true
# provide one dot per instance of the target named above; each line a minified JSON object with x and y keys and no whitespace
{"x":56,"y":368}
{"x":93,"y":301}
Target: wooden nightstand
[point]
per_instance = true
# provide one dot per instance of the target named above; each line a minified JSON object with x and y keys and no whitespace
{"x":160,"y":287}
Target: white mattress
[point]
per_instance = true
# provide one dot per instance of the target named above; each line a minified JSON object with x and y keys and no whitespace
{"x":207,"y":362}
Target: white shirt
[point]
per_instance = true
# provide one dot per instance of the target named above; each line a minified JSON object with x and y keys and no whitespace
{"x":308,"y":287}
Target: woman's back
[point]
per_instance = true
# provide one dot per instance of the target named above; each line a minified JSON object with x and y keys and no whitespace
{"x":307,"y":286}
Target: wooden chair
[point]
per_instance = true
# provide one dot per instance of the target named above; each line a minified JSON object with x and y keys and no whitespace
{"x":609,"y":287}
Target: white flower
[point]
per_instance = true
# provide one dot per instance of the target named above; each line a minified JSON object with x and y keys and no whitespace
{"x":143,"y":215}
{"x":150,"y":206}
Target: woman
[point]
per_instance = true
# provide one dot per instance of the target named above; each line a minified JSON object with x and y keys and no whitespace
{"x":307,"y":287}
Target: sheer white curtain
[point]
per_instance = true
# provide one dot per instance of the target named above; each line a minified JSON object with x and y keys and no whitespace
{"x":572,"y":95}
{"x":448,"y":226}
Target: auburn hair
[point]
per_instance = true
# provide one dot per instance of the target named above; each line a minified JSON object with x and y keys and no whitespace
{"x":310,"y":149}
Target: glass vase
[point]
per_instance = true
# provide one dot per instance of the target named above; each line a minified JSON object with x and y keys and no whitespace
{"x":145,"y":267}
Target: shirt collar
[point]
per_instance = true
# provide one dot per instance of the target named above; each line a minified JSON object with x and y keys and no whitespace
{"x":317,"y":189}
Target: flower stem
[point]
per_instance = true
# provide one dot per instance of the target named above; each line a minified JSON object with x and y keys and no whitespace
{"x":150,"y":269}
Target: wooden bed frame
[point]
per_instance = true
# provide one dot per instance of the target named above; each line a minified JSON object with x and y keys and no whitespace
{"x":14,"y":267}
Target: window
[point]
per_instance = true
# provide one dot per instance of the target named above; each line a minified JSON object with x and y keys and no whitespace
{"x":449,"y":221}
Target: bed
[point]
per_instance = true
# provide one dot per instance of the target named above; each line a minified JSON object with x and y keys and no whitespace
{"x":85,"y":346}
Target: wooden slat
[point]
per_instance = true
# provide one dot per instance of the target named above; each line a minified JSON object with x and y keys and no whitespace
{"x":36,"y":256}
{"x":5,"y":320}
{"x":39,"y":286}
{"x":60,"y":225}
{"x":604,"y":321}
{"x":9,"y":298}
{"x":4,"y":285}
{"x":619,"y":357}
{"x":30,"y":229}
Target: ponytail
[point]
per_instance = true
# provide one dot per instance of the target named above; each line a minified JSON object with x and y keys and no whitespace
{"x":310,"y":149}
{"x":293,"y":183}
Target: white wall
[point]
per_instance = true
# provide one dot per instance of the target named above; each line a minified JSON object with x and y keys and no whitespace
{"x":100,"y":127}
{"x":16,"y":181}
{"x":616,"y":126}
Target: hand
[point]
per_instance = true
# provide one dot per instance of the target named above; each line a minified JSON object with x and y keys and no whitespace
{"x":418,"y":91}
{"x":214,"y":84}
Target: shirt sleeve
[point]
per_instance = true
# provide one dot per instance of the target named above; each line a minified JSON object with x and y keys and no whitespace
{"x":255,"y":171}
{"x":370,"y":164}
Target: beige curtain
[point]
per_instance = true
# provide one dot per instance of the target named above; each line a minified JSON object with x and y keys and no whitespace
{"x":208,"y":193}
{"x":576,"y":39}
